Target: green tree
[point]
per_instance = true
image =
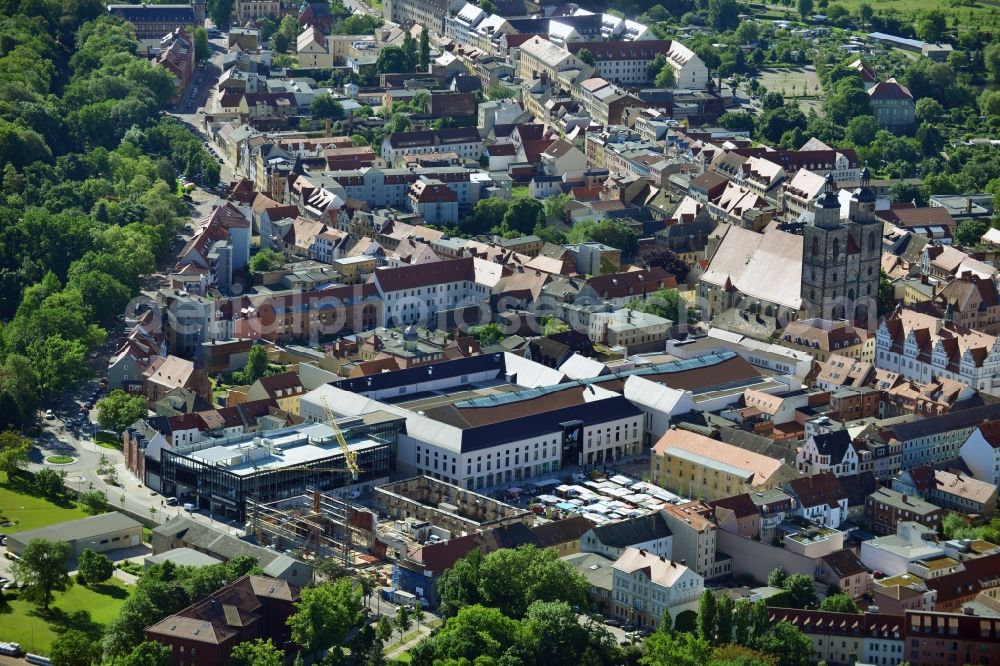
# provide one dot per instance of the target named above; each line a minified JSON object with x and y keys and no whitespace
{"x":60,"y":363}
{"x":201,"y":49}
{"x":680,"y":649}
{"x":94,"y":567}
{"x":666,"y":303}
{"x":326,"y":107}
{"x":886,"y":294}
{"x":409,"y":51}
{"x":666,"y":77}
{"x":147,"y":653}
{"x":865,"y":13}
{"x":119,"y":410}
{"x":724,"y":619}
{"x":256,"y":366}
{"x":723,"y":15}
{"x":258,"y":652}
{"x":424,"y":50}
{"x":970,"y":232}
{"x":74,"y":648}
{"x":759,"y":618}
{"x":488,"y":334}
{"x":848,"y":100}
{"x":403,"y":620}
{"x":707,"y":616}
{"x":928,"y":109}
{"x":266,"y":260}
{"x":14,"y":449}
{"x":43,"y":569}
{"x":614,"y":233}
{"x":787,"y":643}
{"x":931,"y":26}
{"x":219,"y":11}
{"x":48,"y":483}
{"x":94,"y":502}
{"x":555,"y":207}
{"x":741,"y":622}
{"x":586,"y":56}
{"x":383,"y":629}
{"x":324,"y":614}
{"x":777,"y":577}
{"x":839,"y":603}
{"x":510,"y":580}
{"x":991,"y":58}
{"x":500,"y":92}
{"x":805,"y":8}
{"x":861,"y":130}
{"x":19,"y":394}
{"x":801,"y":591}
{"x":521,"y":217}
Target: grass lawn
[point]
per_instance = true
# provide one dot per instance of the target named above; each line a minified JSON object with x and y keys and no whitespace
{"x":106,"y":441}
{"x":981,"y":16}
{"x":27,"y":511}
{"x":520,"y":192}
{"x":78,"y":608}
{"x":59,"y":460}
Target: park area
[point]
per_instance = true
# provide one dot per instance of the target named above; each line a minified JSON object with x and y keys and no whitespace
{"x":790,"y":81}
{"x":82,"y":608}
{"x":21,"y":509}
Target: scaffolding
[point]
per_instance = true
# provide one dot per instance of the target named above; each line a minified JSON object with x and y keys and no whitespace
{"x":316,"y":524}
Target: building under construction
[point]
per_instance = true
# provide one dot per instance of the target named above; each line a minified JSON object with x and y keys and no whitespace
{"x":319,"y":525}
{"x":221,"y":476}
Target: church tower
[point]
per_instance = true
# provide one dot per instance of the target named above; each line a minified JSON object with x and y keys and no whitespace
{"x":824,"y":257}
{"x":866,"y":230}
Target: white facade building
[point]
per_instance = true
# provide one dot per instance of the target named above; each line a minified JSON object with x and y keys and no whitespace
{"x":646,"y":585}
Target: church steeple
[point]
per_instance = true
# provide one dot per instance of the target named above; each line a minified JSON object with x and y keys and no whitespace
{"x":827,"y":212}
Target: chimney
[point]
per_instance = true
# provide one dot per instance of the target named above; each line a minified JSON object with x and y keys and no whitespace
{"x":968,"y":205}
{"x":684,"y":563}
{"x":642,"y":551}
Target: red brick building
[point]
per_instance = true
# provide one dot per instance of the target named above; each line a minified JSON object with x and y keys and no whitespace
{"x":945,"y":639}
{"x":206,"y":632}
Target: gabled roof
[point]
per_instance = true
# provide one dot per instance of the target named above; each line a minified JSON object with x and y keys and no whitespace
{"x":818,"y":489}
{"x":632,"y":531}
{"x":833,"y":444}
{"x":424,"y":275}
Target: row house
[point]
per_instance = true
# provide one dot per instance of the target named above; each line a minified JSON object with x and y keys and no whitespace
{"x":412,"y":294}
{"x":847,"y":638}
{"x":921,"y":347}
{"x":820,"y":498}
{"x":382,"y":187}
{"x":952,"y":490}
{"x":463,"y":141}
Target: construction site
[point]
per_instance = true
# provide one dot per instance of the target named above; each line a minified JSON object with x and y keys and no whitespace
{"x":317,"y":526}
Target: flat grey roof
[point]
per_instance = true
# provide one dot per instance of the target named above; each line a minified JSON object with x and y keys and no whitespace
{"x":79,"y":530}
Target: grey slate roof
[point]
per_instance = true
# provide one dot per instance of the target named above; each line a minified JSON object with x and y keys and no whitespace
{"x":630,"y":532}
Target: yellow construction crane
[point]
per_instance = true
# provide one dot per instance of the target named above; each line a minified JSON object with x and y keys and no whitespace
{"x":350,"y":457}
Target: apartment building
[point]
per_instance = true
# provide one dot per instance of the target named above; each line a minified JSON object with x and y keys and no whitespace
{"x":416,"y":294}
{"x":646,"y":585}
{"x":697,"y":466}
{"x":944,"y":639}
{"x":463,"y":141}
{"x":695,"y":533}
{"x":981,"y":452}
{"x":886,"y":508}
{"x":382,"y":187}
{"x":627,"y":63}
{"x":828,"y":452}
